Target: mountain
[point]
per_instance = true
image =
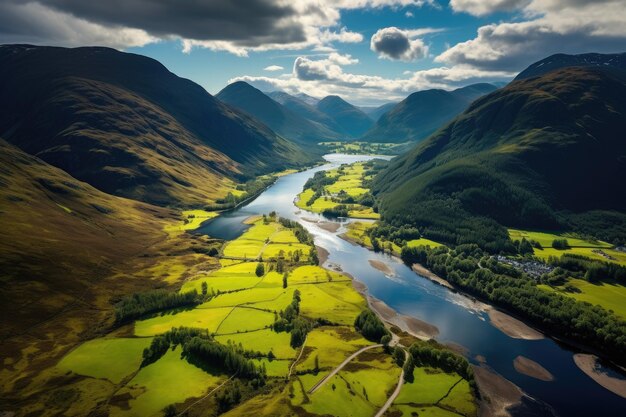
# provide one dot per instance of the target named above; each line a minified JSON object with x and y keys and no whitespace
{"x":279,"y":118}
{"x":126,"y":125}
{"x":544,"y":152}
{"x":311,"y":101}
{"x":423,"y":112}
{"x":353,"y":122}
{"x":557,"y":61}
{"x":303,"y":109}
{"x":376,"y":113}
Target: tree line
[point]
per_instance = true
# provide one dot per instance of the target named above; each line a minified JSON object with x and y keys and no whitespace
{"x":139,"y":304}
{"x":513,"y":290}
{"x":369,"y":325}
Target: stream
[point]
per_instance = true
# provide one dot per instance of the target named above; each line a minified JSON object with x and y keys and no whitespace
{"x":459,"y":320}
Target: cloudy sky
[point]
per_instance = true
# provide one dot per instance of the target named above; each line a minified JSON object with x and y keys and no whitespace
{"x":367,"y":51}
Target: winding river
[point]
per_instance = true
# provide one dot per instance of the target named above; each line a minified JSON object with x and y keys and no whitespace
{"x":571,"y":393}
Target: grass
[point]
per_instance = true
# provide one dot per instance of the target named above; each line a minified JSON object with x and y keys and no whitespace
{"x":337,"y":302}
{"x":228,"y":278}
{"x":170,"y":380}
{"x":205,"y":318}
{"x":245,"y":319}
{"x":112,"y":359}
{"x":359,"y":389}
{"x":273,"y":250}
{"x":275,"y":368}
{"x":263,"y":341}
{"x":330,"y":345}
{"x":347,"y":178}
{"x":423,"y":242}
{"x":429,"y":389}
{"x":363,"y":148}
{"x":610,"y":296}
{"x":191,"y":220}
{"x":258,"y":295}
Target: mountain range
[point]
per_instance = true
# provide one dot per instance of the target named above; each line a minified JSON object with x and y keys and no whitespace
{"x":126,"y":125}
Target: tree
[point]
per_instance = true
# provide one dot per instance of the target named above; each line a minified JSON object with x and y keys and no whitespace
{"x":398,"y":356}
{"x":280,"y":266}
{"x":316,"y":367}
{"x":375,"y":245}
{"x":285,"y":275}
{"x":525,"y":247}
{"x":260,"y":269}
{"x":385,"y":342}
{"x":205,"y":288}
{"x":560,"y":244}
{"x":409,"y":368}
{"x":169,"y":411}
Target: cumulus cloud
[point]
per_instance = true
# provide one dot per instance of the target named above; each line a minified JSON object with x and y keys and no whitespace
{"x":325,"y":76}
{"x":550,"y":26}
{"x":236,"y":26}
{"x":396,"y":44}
{"x":273,"y":68}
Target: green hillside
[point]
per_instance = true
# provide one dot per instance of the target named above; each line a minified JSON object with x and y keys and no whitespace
{"x":353,"y":122}
{"x":128,"y":126}
{"x":422,"y":113}
{"x":543,"y":153}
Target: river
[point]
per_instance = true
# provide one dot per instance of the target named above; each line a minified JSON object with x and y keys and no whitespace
{"x":571,"y":393}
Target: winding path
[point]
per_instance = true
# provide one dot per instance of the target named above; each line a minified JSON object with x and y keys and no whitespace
{"x":322,"y":381}
{"x":395,"y":394}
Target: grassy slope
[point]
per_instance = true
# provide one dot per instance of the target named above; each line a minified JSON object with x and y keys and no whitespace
{"x":531,"y":142}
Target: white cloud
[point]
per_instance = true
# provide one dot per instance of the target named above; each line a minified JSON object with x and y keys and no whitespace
{"x":325,"y":76}
{"x":235,"y":27}
{"x":485,"y":7}
{"x":408,"y":14}
{"x":550,"y":26}
{"x":273,"y":68}
{"x":397,"y":44}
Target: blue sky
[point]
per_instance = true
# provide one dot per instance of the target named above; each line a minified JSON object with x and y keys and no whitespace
{"x":367,"y":51}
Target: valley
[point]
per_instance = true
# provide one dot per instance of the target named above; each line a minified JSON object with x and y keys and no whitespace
{"x":168,"y":252}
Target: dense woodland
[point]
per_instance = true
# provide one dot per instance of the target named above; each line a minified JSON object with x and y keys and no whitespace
{"x":469,"y":268}
{"x":370,"y":326}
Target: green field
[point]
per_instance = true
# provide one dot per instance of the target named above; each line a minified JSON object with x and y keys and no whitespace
{"x":349,"y":179}
{"x":593,"y":249}
{"x":169,"y":380}
{"x":243,"y":319}
{"x":364,"y":148}
{"x":610,"y":296}
{"x":330,"y":346}
{"x":263,"y":341}
{"x":208,"y":319}
{"x":431,"y":387}
{"x":112,"y":359}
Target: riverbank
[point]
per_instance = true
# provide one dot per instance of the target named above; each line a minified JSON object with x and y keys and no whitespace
{"x":590,"y":366}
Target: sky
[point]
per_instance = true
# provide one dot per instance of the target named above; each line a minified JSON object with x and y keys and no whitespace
{"x":367,"y":51}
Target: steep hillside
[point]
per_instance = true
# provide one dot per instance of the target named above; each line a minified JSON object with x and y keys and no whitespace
{"x":353,"y":122}
{"x":527,"y":155}
{"x":60,"y":237}
{"x":282,"y":120}
{"x":128,"y":126}
{"x":557,"y":61}
{"x":423,"y":112}
{"x":304,"y":109}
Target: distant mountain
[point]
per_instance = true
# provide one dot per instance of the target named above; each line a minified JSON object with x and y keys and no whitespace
{"x":303,"y":109}
{"x":557,"y":61}
{"x":376,"y":112}
{"x":126,"y":125}
{"x":543,"y":152}
{"x":311,"y":101}
{"x":279,"y":118}
{"x":423,"y":112}
{"x":353,"y":122}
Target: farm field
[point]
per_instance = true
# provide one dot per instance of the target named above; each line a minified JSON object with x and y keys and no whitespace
{"x":363,"y":148}
{"x":348,"y":181}
{"x":598,"y":250}
{"x":610,"y":296}
{"x":239,"y":309}
{"x":428,"y":394}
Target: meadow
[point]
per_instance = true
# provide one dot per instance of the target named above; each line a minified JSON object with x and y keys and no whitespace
{"x":609,"y":295}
